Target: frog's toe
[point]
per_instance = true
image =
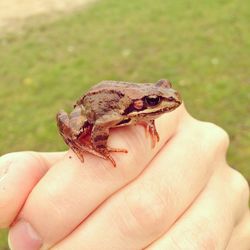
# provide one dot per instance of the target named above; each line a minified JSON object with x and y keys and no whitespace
{"x":110,"y":158}
{"x":119,"y":150}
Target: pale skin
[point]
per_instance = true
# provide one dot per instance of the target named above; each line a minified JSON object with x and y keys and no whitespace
{"x":182,"y":194}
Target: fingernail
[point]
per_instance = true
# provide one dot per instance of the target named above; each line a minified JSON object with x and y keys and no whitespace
{"x":22,"y":236}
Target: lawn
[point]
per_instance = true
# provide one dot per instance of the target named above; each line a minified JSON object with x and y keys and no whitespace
{"x":202,"y":46}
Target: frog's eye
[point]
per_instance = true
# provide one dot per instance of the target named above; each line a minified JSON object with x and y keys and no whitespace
{"x":152,"y":100}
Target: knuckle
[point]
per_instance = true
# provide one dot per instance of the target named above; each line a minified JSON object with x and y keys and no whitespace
{"x":215,"y":135}
{"x":239,"y":185}
{"x":147,"y":213}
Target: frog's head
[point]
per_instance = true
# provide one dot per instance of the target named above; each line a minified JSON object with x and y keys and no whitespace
{"x":157,"y":99}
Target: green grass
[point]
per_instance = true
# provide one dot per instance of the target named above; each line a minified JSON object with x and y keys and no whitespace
{"x":202,"y":46}
{"x":3,"y":240}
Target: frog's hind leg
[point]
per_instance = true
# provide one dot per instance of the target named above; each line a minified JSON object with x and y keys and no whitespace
{"x":63,"y":123}
{"x":99,"y":138}
{"x":68,"y":127}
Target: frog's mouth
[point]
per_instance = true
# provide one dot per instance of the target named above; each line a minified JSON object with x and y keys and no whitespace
{"x":124,"y":122}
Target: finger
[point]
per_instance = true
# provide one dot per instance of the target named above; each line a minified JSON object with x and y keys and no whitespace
{"x":80,"y":188}
{"x":19,"y":173}
{"x":51,"y":158}
{"x":240,"y":238}
{"x":209,"y":222}
{"x":143,"y":210}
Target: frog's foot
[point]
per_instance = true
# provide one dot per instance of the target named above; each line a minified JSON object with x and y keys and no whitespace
{"x":76,"y":149}
{"x":110,"y":158}
{"x":79,"y":149}
{"x":106,"y":153}
{"x":150,"y":129}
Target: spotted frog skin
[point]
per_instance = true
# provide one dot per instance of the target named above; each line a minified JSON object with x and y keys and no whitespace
{"x":112,"y":104}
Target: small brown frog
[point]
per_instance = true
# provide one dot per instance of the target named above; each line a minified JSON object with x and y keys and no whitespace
{"x":112,"y":104}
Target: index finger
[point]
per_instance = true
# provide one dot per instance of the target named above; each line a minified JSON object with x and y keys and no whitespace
{"x":70,"y":190}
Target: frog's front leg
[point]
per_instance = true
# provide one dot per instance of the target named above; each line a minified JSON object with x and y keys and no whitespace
{"x":73,"y":126}
{"x":151,"y":130}
{"x":100,"y":134}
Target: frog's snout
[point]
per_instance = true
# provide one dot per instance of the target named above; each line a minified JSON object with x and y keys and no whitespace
{"x":174,"y":97}
{"x":177,"y":97}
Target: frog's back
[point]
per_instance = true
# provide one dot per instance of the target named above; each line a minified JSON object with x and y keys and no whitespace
{"x":105,"y":91}
{"x":104,"y":98}
{"x":132,"y":90}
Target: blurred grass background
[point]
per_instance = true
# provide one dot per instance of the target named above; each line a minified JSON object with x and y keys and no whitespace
{"x":202,"y":46}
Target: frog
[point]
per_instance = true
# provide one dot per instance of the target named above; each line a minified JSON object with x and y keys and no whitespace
{"x":111,"y":104}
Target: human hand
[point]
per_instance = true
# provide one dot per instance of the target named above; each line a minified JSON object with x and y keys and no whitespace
{"x":180,"y":195}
